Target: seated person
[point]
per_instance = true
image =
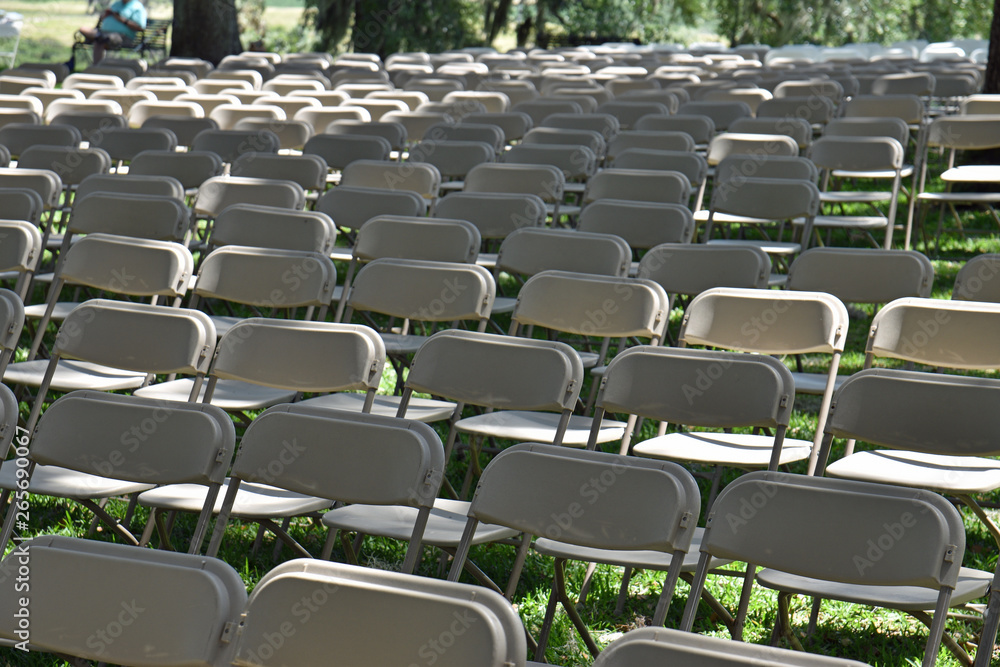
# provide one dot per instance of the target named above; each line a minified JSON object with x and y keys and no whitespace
{"x":118,"y":25}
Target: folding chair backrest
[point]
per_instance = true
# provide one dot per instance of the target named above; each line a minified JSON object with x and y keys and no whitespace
{"x":498,"y":371}
{"x":576,"y":162}
{"x":422,"y":178}
{"x":267,"y":278}
{"x":699,"y":126}
{"x":178,"y":607}
{"x":524,"y":486}
{"x":767,"y":198}
{"x":339,"y":150}
{"x":273,"y":227}
{"x":344,"y":456}
{"x":215,"y":194}
{"x":698,"y":387}
{"x":92,"y":124}
{"x":642,"y":224}
{"x":514,"y":124}
{"x":732,"y":143}
{"x":138,"y":216}
{"x":866,"y":275}
{"x":821,"y":528}
{"x":45,"y":182}
{"x":309,"y":171}
{"x":133,"y":266}
{"x":721,"y":113}
{"x":11,"y":324}
{"x":604,"y":124}
{"x":351,"y":207}
{"x":421,"y":290}
{"x":125,"y":144}
{"x":765,"y":166}
{"x":920,"y":412}
{"x":186,"y":127}
{"x":629,"y":111}
{"x":857,"y":153}
{"x":954,"y":334}
{"x":657,"y":140}
{"x":431,"y":239}
{"x":798,"y":129}
{"x":545,"y":181}
{"x":817,"y":110}
{"x":667,"y":187}
{"x":495,"y":214}
{"x":19,"y":137}
{"x":529,"y":251}
{"x":690,"y":269}
{"x":869,"y":126}
{"x":393,"y":132}
{"x":417,"y":608}
{"x":191,"y":168}
{"x":453,"y":159}
{"x":964,"y":132}
{"x":230,"y":144}
{"x":467,"y":131}
{"x":131,"y":184}
{"x":909,"y":108}
{"x":647,"y":646}
{"x":20,"y":244}
{"x":577,"y":303}
{"x":548,"y":136}
{"x":301,"y":356}
{"x":975,"y":280}
{"x":72,"y":164}
{"x":766,"y":321}
{"x":137,"y":337}
{"x":179,"y":443}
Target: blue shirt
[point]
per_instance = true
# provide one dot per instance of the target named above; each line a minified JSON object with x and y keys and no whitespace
{"x":130,"y":10}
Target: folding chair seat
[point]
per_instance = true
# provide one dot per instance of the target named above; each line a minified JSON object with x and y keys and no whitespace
{"x":230,"y":144}
{"x":607,"y":532}
{"x":644,"y":646}
{"x":117,"y":265}
{"x":308,"y":171}
{"x":273,"y":227}
{"x":782,"y":322}
{"x":513,"y":124}
{"x":110,"y":345}
{"x":974,"y":281}
{"x":700,"y":126}
{"x":798,"y":129}
{"x":76,"y":453}
{"x":491,"y":632}
{"x":351,"y":207}
{"x":721,"y":113}
{"x":18,"y":137}
{"x":122,"y":145}
{"x":544,"y":181}
{"x":487,"y":133}
{"x":187,"y":602}
{"x":689,"y":163}
{"x":185,"y":128}
{"x":20,"y":242}
{"x":953,"y":134}
{"x":806,"y":536}
{"x":857,"y":156}
{"x":420,"y":177}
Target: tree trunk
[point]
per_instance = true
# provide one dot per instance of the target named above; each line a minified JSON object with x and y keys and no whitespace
{"x":991,"y":82}
{"x":206,"y":30}
{"x":498,"y":22}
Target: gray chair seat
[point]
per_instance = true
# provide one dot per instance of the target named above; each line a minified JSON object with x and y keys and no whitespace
{"x":66,"y":483}
{"x":852,"y":196}
{"x":733,"y":449}
{"x":972,"y":584}
{"x":444,"y":525}
{"x":399,"y":344}
{"x":538,"y":427}
{"x":644,"y":559}
{"x":487,"y":260}
{"x":59,"y":313}
{"x":852,"y":221}
{"x":967,"y":475}
{"x":229,"y":394}
{"x":420,"y":409}
{"x":252,"y":500}
{"x":71,"y":375}
{"x":503,"y":304}
{"x":224,"y":323}
{"x":770,"y":247}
